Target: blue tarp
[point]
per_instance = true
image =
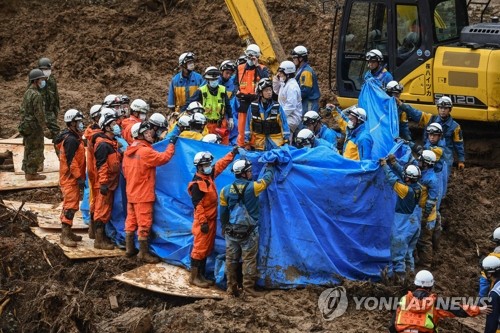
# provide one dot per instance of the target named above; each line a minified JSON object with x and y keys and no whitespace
{"x":323,"y":215}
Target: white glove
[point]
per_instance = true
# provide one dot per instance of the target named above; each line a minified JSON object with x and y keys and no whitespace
{"x":230,"y":124}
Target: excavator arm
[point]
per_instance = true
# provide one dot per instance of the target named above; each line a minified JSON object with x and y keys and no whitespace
{"x":253,"y":22}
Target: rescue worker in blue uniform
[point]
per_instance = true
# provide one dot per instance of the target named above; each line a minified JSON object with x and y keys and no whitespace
{"x":485,"y":282}
{"x":266,"y":127}
{"x":312,"y":121}
{"x":239,"y":215}
{"x":306,"y":139}
{"x":358,"y":141}
{"x":428,"y":204}
{"x":307,"y":79}
{"x":228,"y":80}
{"x":404,"y":228}
{"x":183,"y":84}
{"x":376,"y":69}
{"x":452,"y":133}
{"x":394,"y":89}
{"x":491,"y":266}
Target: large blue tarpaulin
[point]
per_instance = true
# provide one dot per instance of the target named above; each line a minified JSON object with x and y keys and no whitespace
{"x":323,"y":216}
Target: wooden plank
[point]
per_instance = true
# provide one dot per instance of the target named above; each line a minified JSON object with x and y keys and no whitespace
{"x":84,"y":250}
{"x":13,"y":181}
{"x":476,"y":324}
{"x":19,"y":141}
{"x":167,"y":279}
{"x":50,"y":164}
{"x":48,"y":215}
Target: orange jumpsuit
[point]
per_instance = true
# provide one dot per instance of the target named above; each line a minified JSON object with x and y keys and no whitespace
{"x":108,"y":161}
{"x":126,"y":125}
{"x":139,"y":169}
{"x":72,"y":167}
{"x":89,"y":133}
{"x":205,"y":200}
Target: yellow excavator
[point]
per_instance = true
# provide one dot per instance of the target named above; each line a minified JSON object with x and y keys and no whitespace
{"x":430,"y":48}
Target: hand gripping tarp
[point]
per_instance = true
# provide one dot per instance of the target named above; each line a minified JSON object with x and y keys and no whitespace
{"x":323,"y":216}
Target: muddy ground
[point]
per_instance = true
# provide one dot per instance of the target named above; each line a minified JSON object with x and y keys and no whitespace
{"x":131,"y":47}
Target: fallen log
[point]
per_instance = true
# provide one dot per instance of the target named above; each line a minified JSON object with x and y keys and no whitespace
{"x":136,"y":320}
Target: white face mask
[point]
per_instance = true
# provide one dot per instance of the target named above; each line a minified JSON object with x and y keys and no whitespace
{"x":79,"y":126}
{"x":213,"y":84}
{"x":207,"y":170}
{"x":350,"y":124}
{"x":47,"y":72}
{"x":142,"y":116}
{"x":250,"y":62}
{"x":190,"y":67}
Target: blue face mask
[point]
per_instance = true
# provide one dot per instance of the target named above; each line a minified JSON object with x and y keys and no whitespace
{"x":117,"y":130}
{"x":79,"y":126}
{"x":213,"y":84}
{"x":207,"y":170}
{"x":43,"y":84}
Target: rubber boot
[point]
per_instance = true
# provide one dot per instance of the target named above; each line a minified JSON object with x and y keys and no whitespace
{"x":144,"y":254}
{"x":40,"y":168}
{"x":75,"y":237}
{"x":35,"y":176}
{"x":194,"y":277}
{"x":92,"y":227}
{"x":249,"y":288}
{"x":232,"y":280}
{"x":201,"y":271}
{"x":66,"y":235}
{"x":101,"y":241}
{"x":130,"y":249}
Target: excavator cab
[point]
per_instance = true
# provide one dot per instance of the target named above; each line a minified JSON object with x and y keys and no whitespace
{"x":407,"y":32}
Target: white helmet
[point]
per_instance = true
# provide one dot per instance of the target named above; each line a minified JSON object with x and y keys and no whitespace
{"x":138,"y":105}
{"x":198,"y":119}
{"x":194,"y":107}
{"x":412,"y":172}
{"x":496,"y":235}
{"x":105,"y":111}
{"x":240,"y":166}
{"x":359,"y":113}
{"x":111,"y":99}
{"x":212,"y":138}
{"x":95,"y":110}
{"x":203,"y":157}
{"x":491,"y":264}
{"x":72,"y":115}
{"x":157,"y":119}
{"x":434,"y":128}
{"x":429,"y":157}
{"x":444,"y":102}
{"x":211,"y":73}
{"x":424,"y":278}
{"x":183,"y":122}
{"x":287,"y":67}
{"x":227,"y":65}
{"x":305,"y":138}
{"x":134,"y":130}
{"x":252,"y":50}
{"x":374,"y":55}
{"x":394,"y":87}
{"x":310,"y":117}
{"x":299,"y":51}
{"x":186,"y":57}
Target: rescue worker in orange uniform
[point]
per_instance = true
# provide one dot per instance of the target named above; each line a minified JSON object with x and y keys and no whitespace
{"x":248,"y":75}
{"x":205,"y":199}
{"x":139,"y":169}
{"x":90,"y":131}
{"x":138,"y":113}
{"x":419,"y":311}
{"x":108,"y":160}
{"x":71,"y":150}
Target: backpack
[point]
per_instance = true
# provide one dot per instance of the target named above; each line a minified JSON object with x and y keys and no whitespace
{"x":241,"y":224}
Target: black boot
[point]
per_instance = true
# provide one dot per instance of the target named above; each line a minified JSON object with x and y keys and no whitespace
{"x":194,"y":277}
{"x":66,"y":235}
{"x":202,"y":269}
{"x":144,"y":254}
{"x":101,"y":241}
{"x":232,"y":280}
{"x":130,"y":249}
{"x":92,"y":227}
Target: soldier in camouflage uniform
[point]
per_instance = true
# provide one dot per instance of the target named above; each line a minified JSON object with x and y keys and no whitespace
{"x":50,"y":97}
{"x":32,"y":126}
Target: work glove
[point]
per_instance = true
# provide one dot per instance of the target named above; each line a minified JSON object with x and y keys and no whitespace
{"x":236,"y":150}
{"x":461,"y":165}
{"x":382,"y":161}
{"x":173,"y":139}
{"x":230,"y":124}
{"x":81,"y":183}
{"x":204,"y":228}
{"x":104,"y":189}
{"x":391,"y":159}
